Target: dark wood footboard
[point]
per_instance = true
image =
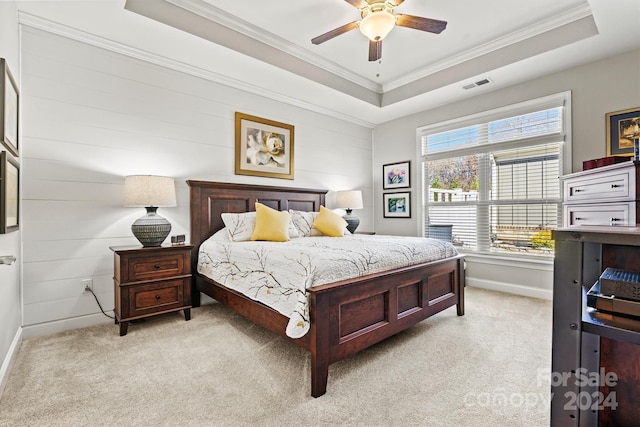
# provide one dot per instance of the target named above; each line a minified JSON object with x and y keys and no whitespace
{"x":349,"y":316}
{"x":346,"y":316}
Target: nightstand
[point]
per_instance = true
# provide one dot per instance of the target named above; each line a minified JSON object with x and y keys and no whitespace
{"x":151,"y":281}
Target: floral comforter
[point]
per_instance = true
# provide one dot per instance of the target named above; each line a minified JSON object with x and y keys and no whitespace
{"x":278,"y":273}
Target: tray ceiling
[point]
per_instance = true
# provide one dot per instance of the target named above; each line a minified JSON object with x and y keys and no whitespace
{"x":266,"y":46}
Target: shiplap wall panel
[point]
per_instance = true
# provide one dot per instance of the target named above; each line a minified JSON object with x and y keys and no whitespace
{"x":64,"y":308}
{"x":91,"y":117}
{"x":52,"y":290}
{"x":75,"y":267}
{"x":130,"y":127}
{"x":56,"y":250}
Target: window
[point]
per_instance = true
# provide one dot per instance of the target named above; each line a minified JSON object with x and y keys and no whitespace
{"x":493,"y":179}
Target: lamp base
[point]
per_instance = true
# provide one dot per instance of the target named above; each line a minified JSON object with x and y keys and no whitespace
{"x":151,"y":229}
{"x":352,"y":221}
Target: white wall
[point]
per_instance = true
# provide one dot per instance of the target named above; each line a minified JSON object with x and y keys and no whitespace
{"x":596,"y":89}
{"x":92,"y":116}
{"x":10,"y":305}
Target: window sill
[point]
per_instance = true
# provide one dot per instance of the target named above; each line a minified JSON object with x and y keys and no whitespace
{"x":545,"y":264}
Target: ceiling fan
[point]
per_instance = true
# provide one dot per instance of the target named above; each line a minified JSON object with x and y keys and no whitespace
{"x":378,"y":20}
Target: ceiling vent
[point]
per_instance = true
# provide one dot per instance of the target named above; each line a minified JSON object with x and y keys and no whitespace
{"x":476,"y":84}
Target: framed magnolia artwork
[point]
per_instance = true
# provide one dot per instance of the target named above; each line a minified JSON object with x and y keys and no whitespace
{"x":263,"y":147}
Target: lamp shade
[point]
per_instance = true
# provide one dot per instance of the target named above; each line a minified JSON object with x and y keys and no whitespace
{"x":351,"y":199}
{"x":149,"y":190}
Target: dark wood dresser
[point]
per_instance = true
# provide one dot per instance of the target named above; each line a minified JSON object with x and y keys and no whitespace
{"x":151,"y":281}
{"x":595,"y":377}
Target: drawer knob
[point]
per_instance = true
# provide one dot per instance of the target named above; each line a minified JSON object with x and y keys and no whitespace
{"x":578,"y":218}
{"x":616,"y":219}
{"x":616,"y":186}
{"x":157,"y":297}
{"x":157,"y":266}
{"x":577,"y":190}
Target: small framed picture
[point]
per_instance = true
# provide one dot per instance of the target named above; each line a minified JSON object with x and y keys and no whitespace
{"x":263,"y":147}
{"x":9,"y":193}
{"x":623,"y":128}
{"x":396,"y":175}
{"x":397,"y":205}
{"x":8,"y":109}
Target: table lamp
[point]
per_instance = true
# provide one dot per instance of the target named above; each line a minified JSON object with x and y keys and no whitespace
{"x":349,"y":200}
{"x":150,"y":192}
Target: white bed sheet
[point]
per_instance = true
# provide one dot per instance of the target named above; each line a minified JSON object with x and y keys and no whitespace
{"x":278,"y":273}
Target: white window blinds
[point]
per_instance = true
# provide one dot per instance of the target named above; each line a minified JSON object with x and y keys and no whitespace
{"x":493,"y":183}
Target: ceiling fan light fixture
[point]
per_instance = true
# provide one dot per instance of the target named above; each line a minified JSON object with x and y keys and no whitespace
{"x":377,"y":24}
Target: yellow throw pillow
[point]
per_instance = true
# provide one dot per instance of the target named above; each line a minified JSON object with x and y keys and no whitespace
{"x":271,"y":225}
{"x":330,"y":223}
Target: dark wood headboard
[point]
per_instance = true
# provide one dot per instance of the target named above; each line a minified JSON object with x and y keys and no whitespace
{"x":209,"y":199}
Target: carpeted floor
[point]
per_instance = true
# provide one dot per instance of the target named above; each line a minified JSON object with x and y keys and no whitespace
{"x":487,"y":368}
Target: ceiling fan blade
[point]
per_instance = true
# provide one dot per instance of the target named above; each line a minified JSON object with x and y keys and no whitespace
{"x":335,"y":32}
{"x":358,"y":4}
{"x":375,"y":50}
{"x":420,"y":23}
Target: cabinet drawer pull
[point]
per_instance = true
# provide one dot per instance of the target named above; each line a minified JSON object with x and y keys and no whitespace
{"x":157,"y":266}
{"x":616,"y":219}
{"x":577,"y":190}
{"x":616,"y":185}
{"x":578,"y":218}
{"x":157,"y":297}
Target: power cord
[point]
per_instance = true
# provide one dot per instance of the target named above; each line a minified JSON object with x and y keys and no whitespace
{"x":98,"y":302}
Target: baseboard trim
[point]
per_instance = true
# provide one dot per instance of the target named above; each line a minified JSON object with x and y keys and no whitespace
{"x":510,"y":288}
{"x":57,"y":326}
{"x":8,"y":361}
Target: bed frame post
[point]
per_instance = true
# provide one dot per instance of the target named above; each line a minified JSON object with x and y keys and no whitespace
{"x":461,"y":285}
{"x":319,"y":344}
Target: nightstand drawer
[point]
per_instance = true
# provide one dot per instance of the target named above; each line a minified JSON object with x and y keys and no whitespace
{"x":156,"y":297}
{"x":155,"y":267}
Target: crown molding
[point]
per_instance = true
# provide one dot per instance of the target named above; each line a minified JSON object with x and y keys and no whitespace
{"x":234,"y":23}
{"x":545,"y":25}
{"x":37,"y":22}
{"x":219,"y":16}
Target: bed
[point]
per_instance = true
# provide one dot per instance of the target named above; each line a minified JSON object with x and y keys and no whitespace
{"x":345,"y":316}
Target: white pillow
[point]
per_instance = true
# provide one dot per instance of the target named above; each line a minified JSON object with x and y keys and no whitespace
{"x":303,"y":221}
{"x":293,"y":231}
{"x":240,"y":226}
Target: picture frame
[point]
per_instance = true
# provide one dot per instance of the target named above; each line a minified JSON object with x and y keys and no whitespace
{"x":9,"y":102}
{"x":397,"y":205}
{"x":623,"y":127}
{"x":9,"y":193}
{"x":264,"y":147}
{"x":396,"y":175}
